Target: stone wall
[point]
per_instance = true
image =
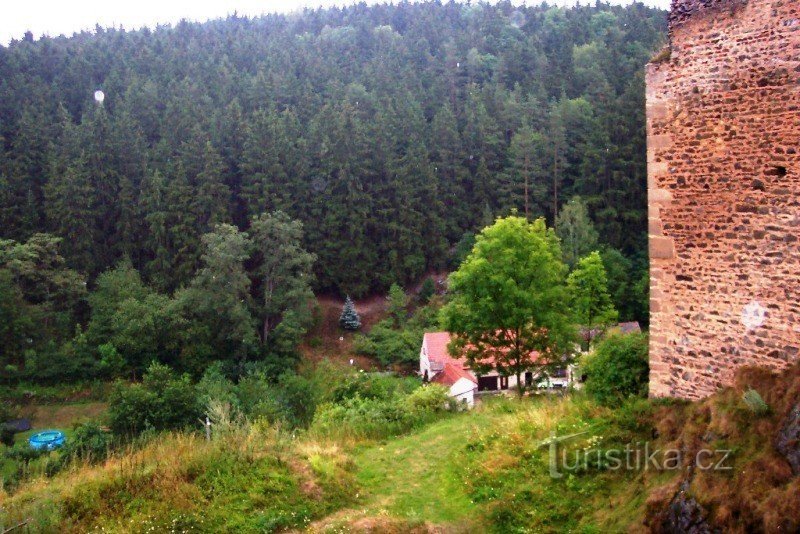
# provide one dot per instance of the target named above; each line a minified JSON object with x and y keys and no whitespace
{"x":723,"y":149}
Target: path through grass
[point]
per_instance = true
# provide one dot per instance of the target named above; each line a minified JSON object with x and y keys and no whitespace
{"x":415,"y":479}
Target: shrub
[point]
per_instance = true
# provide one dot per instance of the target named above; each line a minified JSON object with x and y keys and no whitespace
{"x":89,"y":443}
{"x":432,"y":398}
{"x":618,"y":368}
{"x":755,"y":403}
{"x":215,"y":386}
{"x":391,"y":410}
{"x":298,"y":397}
{"x":382,"y":386}
{"x":162,"y":401}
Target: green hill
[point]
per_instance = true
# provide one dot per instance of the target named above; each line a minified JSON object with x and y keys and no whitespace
{"x":483,"y":470}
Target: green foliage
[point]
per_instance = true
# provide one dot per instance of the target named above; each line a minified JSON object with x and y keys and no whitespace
{"x":385,"y":156}
{"x":38,"y":297}
{"x":285,"y":276}
{"x":426,"y":291}
{"x":617,"y":368}
{"x":392,"y":343}
{"x":508,"y":300}
{"x":161,"y":401}
{"x":349,"y":318}
{"x":397,"y":304}
{"x":462,"y":249}
{"x":216,"y":303}
{"x":431,"y":398}
{"x":350,"y":384}
{"x":755,"y":403}
{"x":588,"y":290}
{"x":375,"y":418}
{"x":88,"y":443}
{"x":576,"y":231}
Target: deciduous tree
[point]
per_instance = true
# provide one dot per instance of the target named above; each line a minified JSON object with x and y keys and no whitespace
{"x":508,"y":309}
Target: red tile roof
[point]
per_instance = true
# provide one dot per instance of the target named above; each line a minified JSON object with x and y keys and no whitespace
{"x":452,"y":368}
{"x":451,"y":374}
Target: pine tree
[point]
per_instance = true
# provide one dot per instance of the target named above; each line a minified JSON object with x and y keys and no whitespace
{"x":212,"y":196}
{"x":349,"y":319}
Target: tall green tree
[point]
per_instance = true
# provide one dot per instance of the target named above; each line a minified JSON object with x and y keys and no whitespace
{"x":589,"y":297}
{"x":285,"y":270}
{"x":527,"y":187}
{"x":397,"y":302}
{"x":576,"y":231}
{"x":217,"y":301}
{"x":507,"y":312}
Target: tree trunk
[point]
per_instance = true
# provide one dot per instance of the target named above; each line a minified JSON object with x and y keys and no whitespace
{"x":520,"y":387}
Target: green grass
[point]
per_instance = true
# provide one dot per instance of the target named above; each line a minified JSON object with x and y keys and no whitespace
{"x":478,"y":471}
{"x":416,"y":477}
{"x":60,"y":416}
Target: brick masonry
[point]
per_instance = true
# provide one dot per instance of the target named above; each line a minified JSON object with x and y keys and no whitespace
{"x":723,"y":152}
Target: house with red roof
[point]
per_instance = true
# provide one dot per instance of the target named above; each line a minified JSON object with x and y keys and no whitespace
{"x":437,"y":366}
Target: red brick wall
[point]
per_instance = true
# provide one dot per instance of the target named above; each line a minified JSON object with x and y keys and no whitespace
{"x":723,"y":136}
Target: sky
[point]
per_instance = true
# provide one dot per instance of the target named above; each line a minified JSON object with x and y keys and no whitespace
{"x":55,"y":17}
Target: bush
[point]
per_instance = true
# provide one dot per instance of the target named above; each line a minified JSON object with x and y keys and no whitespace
{"x":755,"y":403}
{"x":432,"y":398}
{"x":391,"y":410}
{"x":162,"y":401}
{"x":89,"y":443}
{"x":382,"y":386}
{"x":391,"y":343}
{"x":618,"y":368}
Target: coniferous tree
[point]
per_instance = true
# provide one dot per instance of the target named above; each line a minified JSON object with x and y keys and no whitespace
{"x":386,"y":130}
{"x":349,"y":318}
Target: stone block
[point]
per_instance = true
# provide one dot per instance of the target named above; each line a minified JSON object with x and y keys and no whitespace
{"x":661,"y":247}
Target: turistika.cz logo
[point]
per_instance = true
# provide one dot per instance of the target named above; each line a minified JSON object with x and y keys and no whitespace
{"x":632,"y":457}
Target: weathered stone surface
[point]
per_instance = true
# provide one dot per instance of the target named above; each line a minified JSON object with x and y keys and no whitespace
{"x":723,"y":126}
{"x":685,"y":516}
{"x":788,"y":442}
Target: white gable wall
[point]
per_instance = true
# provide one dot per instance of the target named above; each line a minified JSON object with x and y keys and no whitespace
{"x":464,"y":390}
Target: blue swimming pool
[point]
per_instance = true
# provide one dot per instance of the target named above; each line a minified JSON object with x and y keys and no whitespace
{"x":47,"y":439}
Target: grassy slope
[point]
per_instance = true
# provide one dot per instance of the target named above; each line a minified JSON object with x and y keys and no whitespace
{"x":470,"y":472}
{"x":414,"y":480}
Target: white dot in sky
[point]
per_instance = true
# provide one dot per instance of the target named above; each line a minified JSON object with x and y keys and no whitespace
{"x":99,"y":96}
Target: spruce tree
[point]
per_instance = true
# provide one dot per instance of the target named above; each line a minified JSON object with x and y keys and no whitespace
{"x":349,"y":319}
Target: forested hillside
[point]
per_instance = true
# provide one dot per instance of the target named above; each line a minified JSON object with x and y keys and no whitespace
{"x":390,"y":131}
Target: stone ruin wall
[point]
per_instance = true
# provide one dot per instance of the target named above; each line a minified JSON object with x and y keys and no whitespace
{"x":723,"y":152}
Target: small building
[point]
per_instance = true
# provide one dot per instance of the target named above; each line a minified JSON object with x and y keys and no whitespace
{"x":436,"y":365}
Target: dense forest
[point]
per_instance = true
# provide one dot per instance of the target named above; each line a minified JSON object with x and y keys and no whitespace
{"x":369,"y":141}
